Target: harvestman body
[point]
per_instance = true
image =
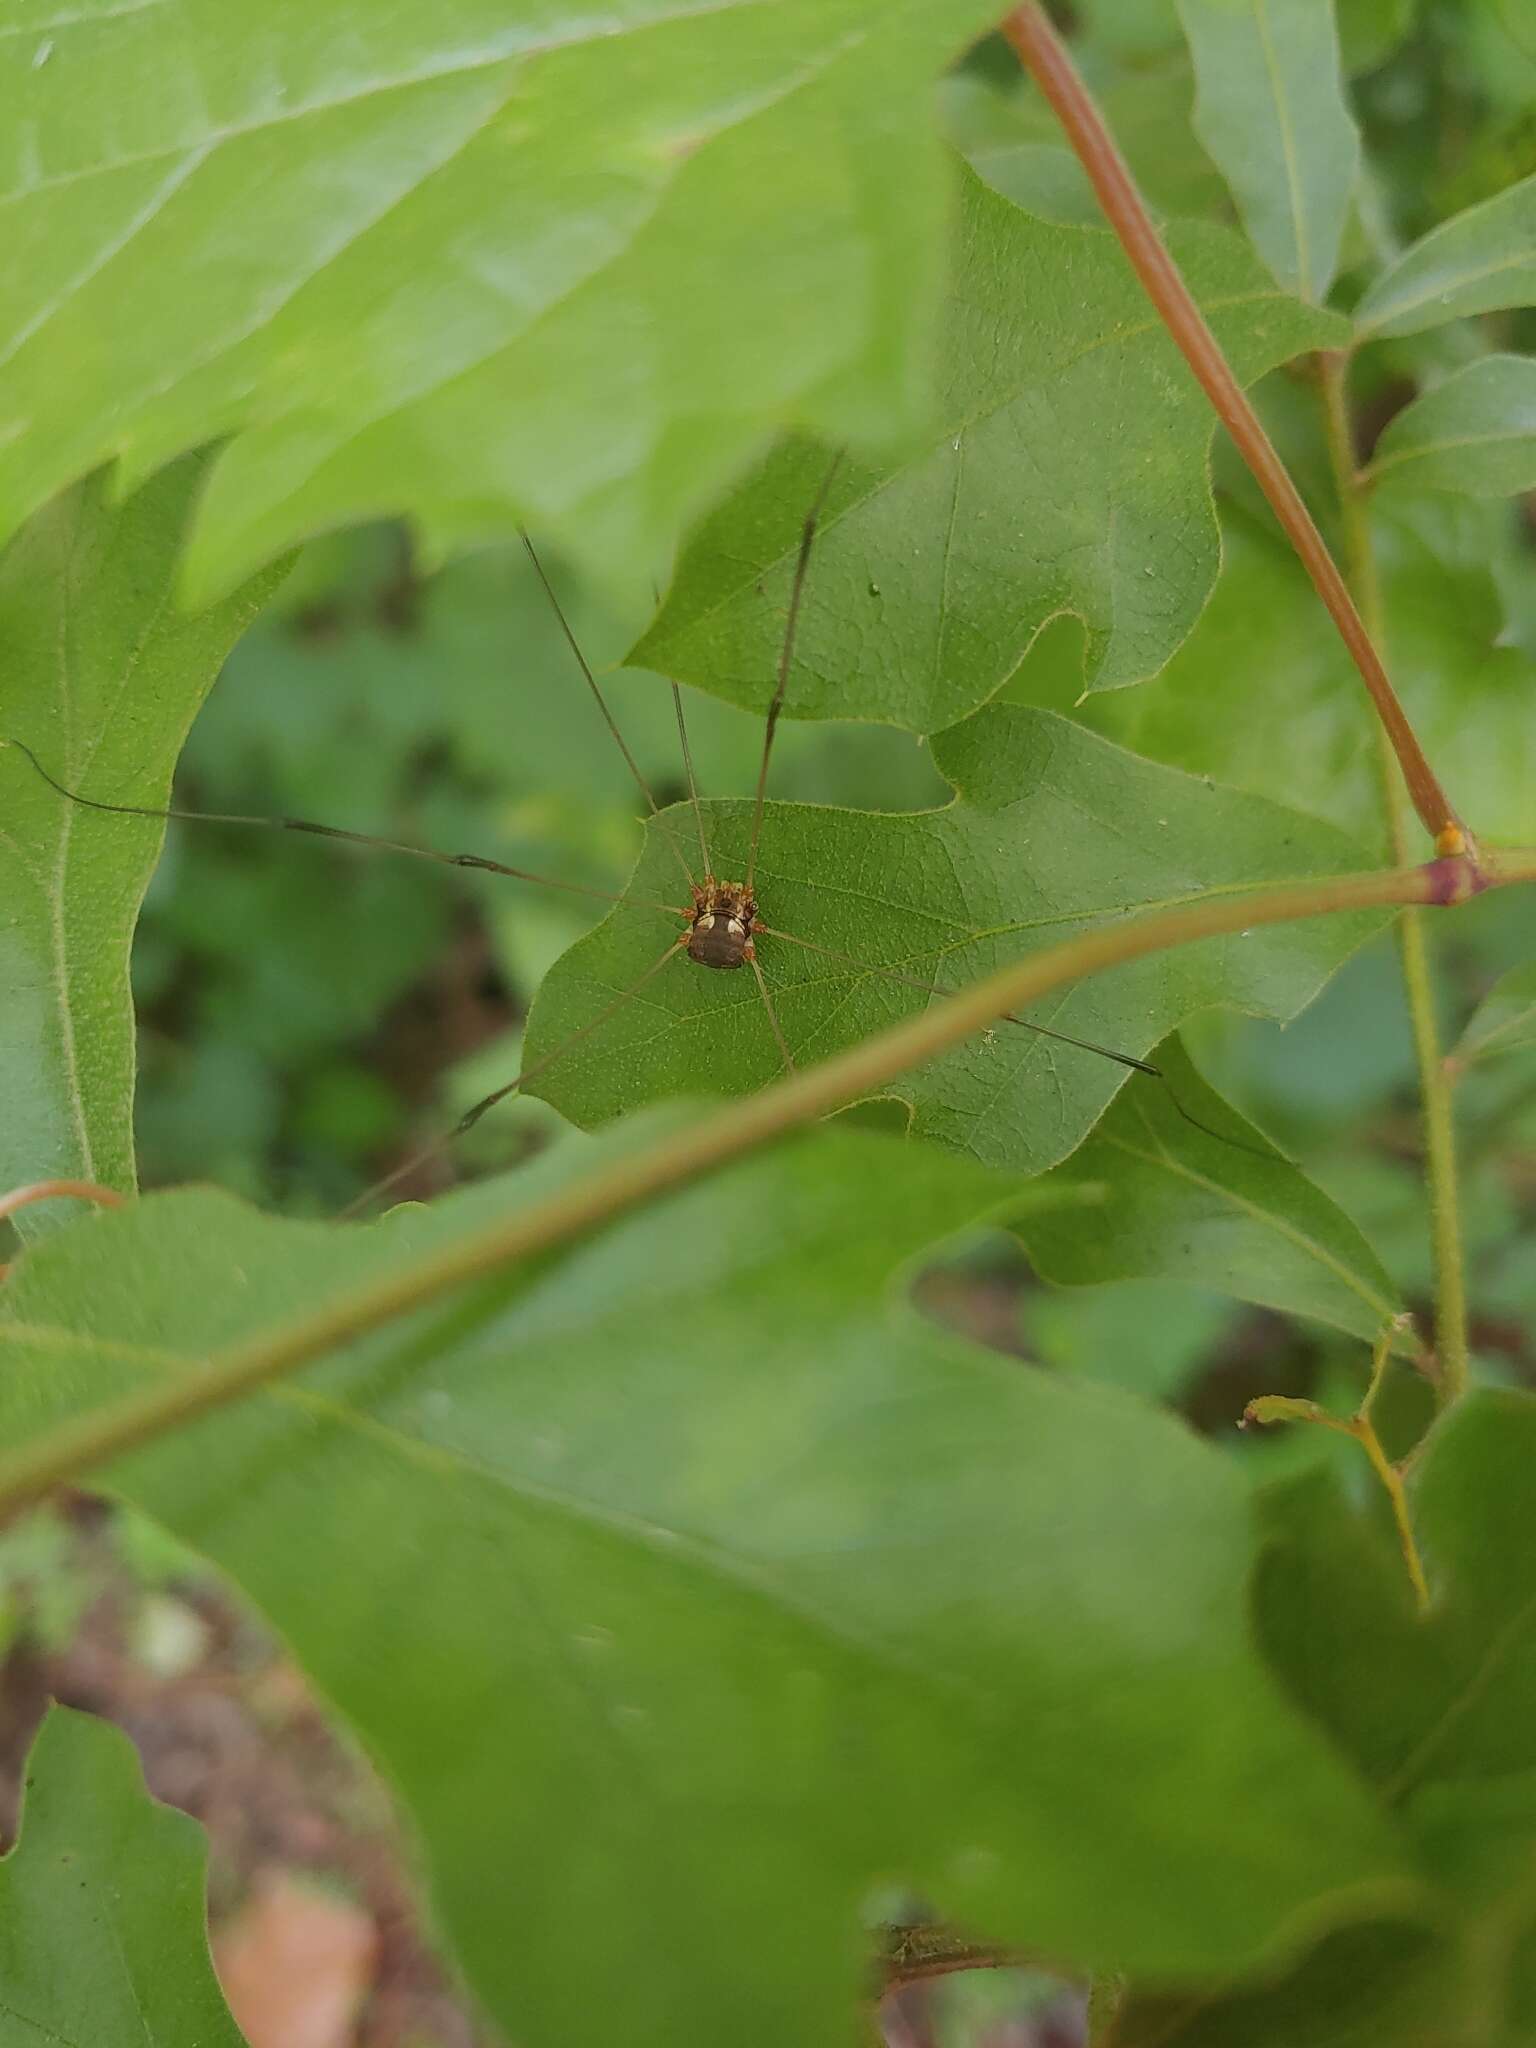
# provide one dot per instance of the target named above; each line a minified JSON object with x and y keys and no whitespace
{"x":721,"y":921}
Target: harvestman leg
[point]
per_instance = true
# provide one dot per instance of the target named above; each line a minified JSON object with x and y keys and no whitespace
{"x":481,"y":862}
{"x":1122,"y":1059}
{"x":473,"y":1114}
{"x":773,"y":1016}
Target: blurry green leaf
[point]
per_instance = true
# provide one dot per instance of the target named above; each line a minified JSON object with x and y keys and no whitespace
{"x":493,"y":264}
{"x":1182,"y":1204}
{"x":1148,"y":1338}
{"x":1015,"y":143}
{"x":1504,"y":1020}
{"x":1475,"y":433}
{"x":103,"y":675}
{"x":1067,"y":472}
{"x":1052,"y":831}
{"x":1370,"y":30}
{"x":102,"y":1936}
{"x":1264,"y":696}
{"x":1361,"y":1988}
{"x":646,"y":1621}
{"x":1482,"y":260}
{"x":1441,"y":1711}
{"x":1271,"y":109}
{"x":1131,"y":30}
{"x":1496,"y":42}
{"x":43,"y":1590}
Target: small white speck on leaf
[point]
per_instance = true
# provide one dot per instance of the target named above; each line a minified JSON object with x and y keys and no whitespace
{"x":42,"y":53}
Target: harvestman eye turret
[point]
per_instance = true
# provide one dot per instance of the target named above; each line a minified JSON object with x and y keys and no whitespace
{"x":721,"y":922}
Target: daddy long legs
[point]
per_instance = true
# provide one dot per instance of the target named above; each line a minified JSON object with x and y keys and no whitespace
{"x":717,"y":894}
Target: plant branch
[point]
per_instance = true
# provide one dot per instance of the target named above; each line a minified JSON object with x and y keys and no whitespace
{"x":1286,"y":1408}
{"x":90,"y":1440}
{"x":1435,"y":1086}
{"x":1037,"y":47}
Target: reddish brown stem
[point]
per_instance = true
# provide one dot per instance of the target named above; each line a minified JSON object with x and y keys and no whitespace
{"x":55,"y":1190}
{"x":1038,"y":49}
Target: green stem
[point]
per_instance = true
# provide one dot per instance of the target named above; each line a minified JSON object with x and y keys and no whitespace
{"x":1413,"y":950}
{"x":90,"y":1440}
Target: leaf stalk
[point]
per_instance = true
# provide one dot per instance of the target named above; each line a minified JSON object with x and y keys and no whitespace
{"x":1286,"y":1408}
{"x":1040,"y":51}
{"x":1435,"y":1081}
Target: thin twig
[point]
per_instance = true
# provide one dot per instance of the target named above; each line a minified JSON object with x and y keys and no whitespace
{"x":59,"y":1190}
{"x":1287,"y":1408}
{"x":1036,"y":44}
{"x":89,"y":1440}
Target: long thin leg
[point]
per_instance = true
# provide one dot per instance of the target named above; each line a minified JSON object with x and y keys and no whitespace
{"x":447,"y":860}
{"x":520,"y":1080}
{"x":773,"y":1015}
{"x":1121,"y":1059}
{"x":937,"y":988}
{"x":693,"y":787}
{"x":608,"y":718}
{"x":786,"y":659}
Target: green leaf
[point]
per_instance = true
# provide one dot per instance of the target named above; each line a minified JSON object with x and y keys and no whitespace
{"x":1066,"y":471}
{"x":1504,"y":1021}
{"x":1145,"y":1337}
{"x":495,"y":265}
{"x":1441,"y":1711}
{"x":1226,"y":1211}
{"x":1270,"y":107}
{"x":1053,"y":830}
{"x":1370,"y":30}
{"x":103,"y":675}
{"x":1474,"y":433}
{"x":1299,"y":729}
{"x":1451,"y":1697}
{"x":102,"y":1935}
{"x":1014,"y":141}
{"x":1361,"y":1988}
{"x":1481,"y":261}
{"x":645,"y":1622}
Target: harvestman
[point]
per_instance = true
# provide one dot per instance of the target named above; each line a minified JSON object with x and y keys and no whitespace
{"x":721,"y":924}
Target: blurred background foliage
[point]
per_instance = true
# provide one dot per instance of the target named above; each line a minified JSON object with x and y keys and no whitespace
{"x":310,"y":1012}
